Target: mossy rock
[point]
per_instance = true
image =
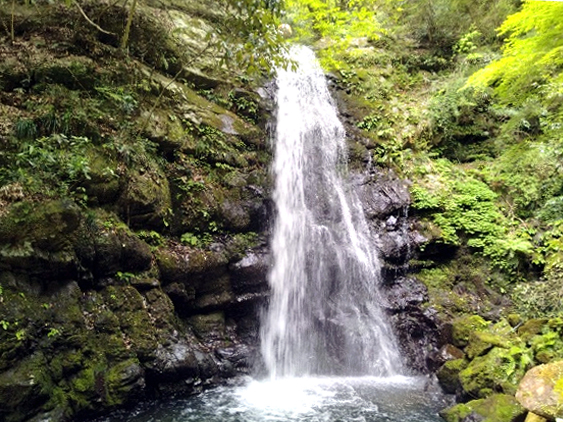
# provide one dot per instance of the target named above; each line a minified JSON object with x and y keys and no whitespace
{"x":448,"y":375}
{"x":134,"y":320}
{"x":499,"y":370}
{"x":496,"y":408}
{"x":21,"y":392}
{"x":49,"y":225}
{"x":165,"y":129}
{"x":104,"y":184}
{"x":462,"y":328}
{"x":123,"y":383}
{"x":74,"y":72}
{"x":499,"y":335}
{"x":173,"y":266}
{"x":541,"y":390}
{"x":146,"y":201}
{"x":213,"y":294}
{"x":532,"y":328}
{"x":109,"y":247}
{"x":209,"y":326}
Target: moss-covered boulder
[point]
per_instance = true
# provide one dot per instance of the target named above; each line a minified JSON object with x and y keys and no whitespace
{"x":532,"y":328}
{"x":464,"y":326}
{"x":146,"y":200}
{"x":448,"y":375}
{"x":499,"y":370}
{"x":21,"y":391}
{"x":496,"y":408}
{"x":499,"y":335}
{"x":541,"y":390}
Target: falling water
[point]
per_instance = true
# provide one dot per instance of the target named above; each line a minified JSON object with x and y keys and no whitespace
{"x":324,"y":315}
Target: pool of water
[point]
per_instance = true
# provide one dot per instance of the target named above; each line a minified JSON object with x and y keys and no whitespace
{"x":358,"y":399}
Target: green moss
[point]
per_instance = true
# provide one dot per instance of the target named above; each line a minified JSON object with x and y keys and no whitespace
{"x":457,"y":413}
{"x":120,"y":380}
{"x":49,"y":225}
{"x":448,"y":375}
{"x":464,"y":326}
{"x":531,"y":328}
{"x":499,"y":370}
{"x":496,"y":408}
{"x":499,"y":335}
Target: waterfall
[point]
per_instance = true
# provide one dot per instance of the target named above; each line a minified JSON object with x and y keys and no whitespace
{"x":324,"y":315}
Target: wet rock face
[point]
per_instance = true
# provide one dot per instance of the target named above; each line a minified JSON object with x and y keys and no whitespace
{"x":386,"y":201}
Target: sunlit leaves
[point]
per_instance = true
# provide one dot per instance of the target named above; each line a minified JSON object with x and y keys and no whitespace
{"x":532,"y":55}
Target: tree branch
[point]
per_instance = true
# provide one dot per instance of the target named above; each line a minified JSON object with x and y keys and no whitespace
{"x":90,"y":21}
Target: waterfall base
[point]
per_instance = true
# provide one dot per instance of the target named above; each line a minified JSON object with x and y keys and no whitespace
{"x":304,"y":399}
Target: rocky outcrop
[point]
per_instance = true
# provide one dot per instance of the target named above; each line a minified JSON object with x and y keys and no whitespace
{"x":386,"y":201}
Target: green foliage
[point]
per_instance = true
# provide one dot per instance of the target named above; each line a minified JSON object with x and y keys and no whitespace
{"x":529,"y":175}
{"x":441,"y":23}
{"x":532,"y":60}
{"x":122,"y":97}
{"x":248,"y":36}
{"x":58,"y":162}
{"x":196,"y":240}
{"x":335,"y":23}
{"x":466,"y":211}
{"x":152,"y":237}
{"x":124,"y":276}
{"x":461,"y":121}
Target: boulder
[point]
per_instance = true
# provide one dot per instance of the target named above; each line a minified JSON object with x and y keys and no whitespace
{"x":464,"y":326}
{"x":541,"y":390}
{"x":448,"y":375}
{"x":496,"y":408}
{"x":498,"y":370}
{"x":250,"y":273}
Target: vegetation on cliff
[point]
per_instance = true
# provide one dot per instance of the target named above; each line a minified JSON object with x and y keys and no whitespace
{"x":133,"y":180}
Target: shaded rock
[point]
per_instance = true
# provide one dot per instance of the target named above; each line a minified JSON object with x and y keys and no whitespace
{"x":250,"y":273}
{"x":406,"y":292}
{"x":209,"y":327}
{"x":213,"y":294}
{"x":240,"y":355}
{"x":146,"y":199}
{"x":20,"y":389}
{"x":381,"y":194}
{"x":182,"y":296}
{"x":541,"y":390}
{"x":124,"y":382}
{"x":173,"y":266}
{"x":118,"y":250}
{"x":448,"y":375}
{"x":235,"y":216}
{"x":174,"y":362}
{"x":393,"y":246}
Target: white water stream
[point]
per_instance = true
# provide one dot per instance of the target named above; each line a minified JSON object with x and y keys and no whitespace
{"x":325,"y":314}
